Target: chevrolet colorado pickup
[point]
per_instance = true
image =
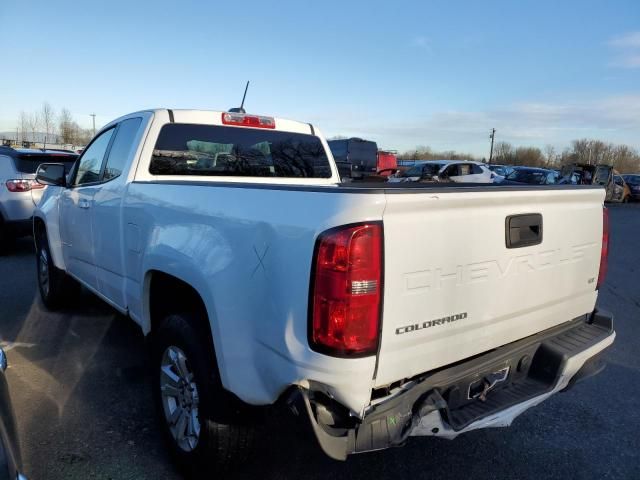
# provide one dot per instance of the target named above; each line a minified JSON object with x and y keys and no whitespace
{"x":368,"y":309}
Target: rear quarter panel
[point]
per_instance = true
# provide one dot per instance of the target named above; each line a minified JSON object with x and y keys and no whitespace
{"x":248,"y":252}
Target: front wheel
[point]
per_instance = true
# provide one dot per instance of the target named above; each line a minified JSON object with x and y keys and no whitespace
{"x":55,"y":286}
{"x":203,"y":427}
{"x":5,"y":238}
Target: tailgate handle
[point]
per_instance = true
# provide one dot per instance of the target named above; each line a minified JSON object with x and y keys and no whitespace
{"x":523,"y":230}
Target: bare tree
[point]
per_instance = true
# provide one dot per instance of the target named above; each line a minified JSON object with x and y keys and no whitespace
{"x":503,"y":153}
{"x":84,"y":136}
{"x":592,"y":152}
{"x":33,"y":121}
{"x":67,"y":127}
{"x":425,"y":153}
{"x":588,"y":151}
{"x":47,"y":115}
{"x":626,"y":159}
{"x":23,"y":126}
{"x":550,"y":155}
{"x":529,"y":156}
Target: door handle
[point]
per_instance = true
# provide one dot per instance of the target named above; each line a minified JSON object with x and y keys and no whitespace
{"x":82,"y":203}
{"x":523,"y":230}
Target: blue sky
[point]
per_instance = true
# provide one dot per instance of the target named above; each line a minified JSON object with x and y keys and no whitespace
{"x":402,"y":73}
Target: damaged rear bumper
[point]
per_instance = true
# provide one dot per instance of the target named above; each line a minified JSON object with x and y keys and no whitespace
{"x":490,"y":390}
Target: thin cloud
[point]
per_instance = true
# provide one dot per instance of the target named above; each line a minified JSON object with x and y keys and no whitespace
{"x":631,"y":60}
{"x":628,"y":47}
{"x":627,"y":40}
{"x":614,"y":118}
{"x":422,"y":42}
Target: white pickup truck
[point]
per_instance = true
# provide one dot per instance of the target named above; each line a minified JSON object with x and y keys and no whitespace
{"x":376,"y":311}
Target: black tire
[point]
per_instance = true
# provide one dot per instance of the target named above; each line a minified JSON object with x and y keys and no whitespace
{"x":57,"y":288}
{"x":5,"y":238}
{"x":227,"y":427}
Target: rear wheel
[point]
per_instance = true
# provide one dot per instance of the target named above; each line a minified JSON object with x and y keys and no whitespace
{"x":55,"y":286}
{"x":203,"y":425}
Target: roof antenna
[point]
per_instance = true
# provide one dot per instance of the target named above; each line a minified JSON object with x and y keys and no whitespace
{"x":241,"y":109}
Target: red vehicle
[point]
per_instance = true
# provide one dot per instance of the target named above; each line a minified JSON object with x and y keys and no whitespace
{"x":387,"y":162}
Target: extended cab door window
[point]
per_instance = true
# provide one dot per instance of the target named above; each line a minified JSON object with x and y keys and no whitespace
{"x":88,"y":170}
{"x":121,"y":148}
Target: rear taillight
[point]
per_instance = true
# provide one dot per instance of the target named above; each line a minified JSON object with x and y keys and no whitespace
{"x":604,"y":252}
{"x":346,"y":291}
{"x":244,"y":120}
{"x":20,"y":185}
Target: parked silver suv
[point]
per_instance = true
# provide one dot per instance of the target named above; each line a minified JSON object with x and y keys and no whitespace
{"x":19,"y":192}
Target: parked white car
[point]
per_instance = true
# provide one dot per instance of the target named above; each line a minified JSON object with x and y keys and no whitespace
{"x":260,"y":278}
{"x":461,"y":171}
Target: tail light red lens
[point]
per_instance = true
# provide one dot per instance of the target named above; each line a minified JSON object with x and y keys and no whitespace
{"x":346,"y":291}
{"x":20,"y":185}
{"x":244,"y":120}
{"x":604,"y":252}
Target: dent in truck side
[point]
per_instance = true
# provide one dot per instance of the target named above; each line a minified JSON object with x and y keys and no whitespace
{"x":251,"y":266}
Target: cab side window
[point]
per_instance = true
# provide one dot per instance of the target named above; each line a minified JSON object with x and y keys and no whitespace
{"x":121,"y":148}
{"x":91,"y":160}
{"x":451,"y":171}
{"x":464,"y":169}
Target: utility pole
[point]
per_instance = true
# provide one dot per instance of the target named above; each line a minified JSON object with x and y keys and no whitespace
{"x":93,"y":115}
{"x":492,"y":136}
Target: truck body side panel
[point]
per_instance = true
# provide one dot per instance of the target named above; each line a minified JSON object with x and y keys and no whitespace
{"x":248,"y":252}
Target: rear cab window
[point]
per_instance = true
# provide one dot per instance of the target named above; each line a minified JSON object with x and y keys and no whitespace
{"x":212,"y":150}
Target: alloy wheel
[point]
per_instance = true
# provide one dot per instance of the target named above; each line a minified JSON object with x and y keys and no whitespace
{"x":43,"y":271}
{"x":180,"y":400}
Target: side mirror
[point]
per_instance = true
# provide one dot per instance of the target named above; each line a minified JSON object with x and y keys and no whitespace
{"x":51,"y":174}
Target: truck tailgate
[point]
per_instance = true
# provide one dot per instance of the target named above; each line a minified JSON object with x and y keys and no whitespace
{"x":452,"y":288}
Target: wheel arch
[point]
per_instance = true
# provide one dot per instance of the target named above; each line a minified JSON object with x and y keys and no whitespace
{"x":166,"y":293}
{"x":39,"y":229}
{"x":46,"y":224}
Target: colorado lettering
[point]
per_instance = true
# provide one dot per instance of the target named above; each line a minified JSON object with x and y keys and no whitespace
{"x":431,"y":323}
